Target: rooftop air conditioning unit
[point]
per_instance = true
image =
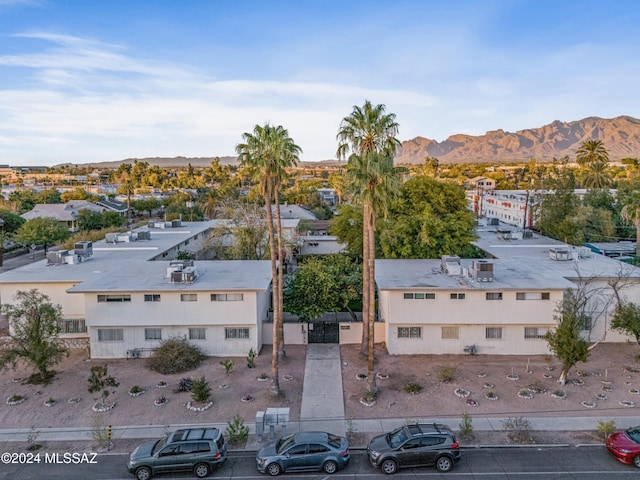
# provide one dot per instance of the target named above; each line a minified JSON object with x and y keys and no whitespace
{"x":111,"y":238}
{"x":187,"y":275}
{"x":493,"y":221}
{"x":560,"y":254}
{"x":144,"y":235}
{"x":176,"y":223}
{"x":56,"y":257}
{"x":84,"y":249}
{"x":482,"y":270}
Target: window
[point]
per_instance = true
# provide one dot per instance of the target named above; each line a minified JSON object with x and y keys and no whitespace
{"x":230,"y":333}
{"x":197,"y":334}
{"x":532,"y":296}
{"x":419,"y":296}
{"x":316,"y":448}
{"x":72,"y":326}
{"x":584,"y":322}
{"x":188,"y":297}
{"x":494,"y":295}
{"x":153,"y":334}
{"x":535,"y":332}
{"x":114,"y":298}
{"x":409,"y":332}
{"x":493,"y":333}
{"x":152,"y":297}
{"x":457,"y":296}
{"x":227,"y":297}
{"x":110,"y":334}
{"x":450,"y":333}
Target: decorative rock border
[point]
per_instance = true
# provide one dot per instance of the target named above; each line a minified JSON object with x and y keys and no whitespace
{"x":264,"y":378}
{"x":159,"y":402}
{"x":287,"y":378}
{"x":627,"y":403}
{"x":51,"y":402}
{"x":247,"y":398}
{"x":482,"y":375}
{"x":15,"y":399}
{"x":634,"y":391}
{"x":491,"y":396}
{"x":223,"y":386}
{"x":472,"y":403}
{"x":193,"y":408}
{"x":73,"y":400}
{"x":513,"y":377}
{"x":601,"y":396}
{"x":361,"y":376}
{"x":488,"y":386}
{"x":103,"y":408}
{"x":162,"y":384}
{"x":137,"y":394}
{"x":577,"y":381}
{"x":382,"y":375}
{"x":547,"y":375}
{"x":366,"y":403}
{"x":589,"y":404}
{"x":525,"y":393}
{"x":560,"y":394}
{"x":461,"y":392}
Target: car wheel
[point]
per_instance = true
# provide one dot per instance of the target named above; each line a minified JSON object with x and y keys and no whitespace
{"x":330,"y":467}
{"x":389,"y":467}
{"x":201,"y":470}
{"x":636,"y":461}
{"x":444,"y":464}
{"x":274,"y":469}
{"x":143,"y":473}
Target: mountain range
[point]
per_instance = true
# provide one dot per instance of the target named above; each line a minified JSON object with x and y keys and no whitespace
{"x":620,"y":136}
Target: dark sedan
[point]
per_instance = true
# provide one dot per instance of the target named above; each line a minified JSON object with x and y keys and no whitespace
{"x":625,"y":445}
{"x":304,"y":451}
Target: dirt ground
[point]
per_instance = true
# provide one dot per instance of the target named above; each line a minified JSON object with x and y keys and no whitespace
{"x":613,"y":363}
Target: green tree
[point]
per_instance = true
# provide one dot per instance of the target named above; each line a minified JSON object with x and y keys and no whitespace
{"x":429,"y":219}
{"x":556,"y":212}
{"x":630,"y":213}
{"x":245,"y":237}
{"x":101,"y":382}
{"x":626,"y":319}
{"x":12,"y":222}
{"x":369,"y":134}
{"x":42,"y":232}
{"x":596,"y":176}
{"x":565,"y":341}
{"x":148,"y":204}
{"x":267,"y":153}
{"x":347,"y":226}
{"x":592,"y":152}
{"x":34,"y":328}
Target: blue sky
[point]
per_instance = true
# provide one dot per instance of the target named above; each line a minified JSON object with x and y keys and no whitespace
{"x":85,"y":81}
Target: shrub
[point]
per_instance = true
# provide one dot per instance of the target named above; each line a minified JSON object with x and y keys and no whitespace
{"x":369,"y":396}
{"x":185,"y":385}
{"x":201,"y":390}
{"x":251,"y":359}
{"x":466,"y":426}
{"x":606,"y":428}
{"x":135,"y":389}
{"x":412,"y":388}
{"x":228,"y":366}
{"x":518,"y":429}
{"x":175,"y":355}
{"x":237,"y":431}
{"x":446,"y":374}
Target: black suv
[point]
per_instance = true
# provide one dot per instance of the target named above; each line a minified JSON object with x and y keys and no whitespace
{"x":194,"y":449}
{"x":415,"y":445}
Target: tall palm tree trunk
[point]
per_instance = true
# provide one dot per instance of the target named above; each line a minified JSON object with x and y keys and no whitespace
{"x":275,"y":385}
{"x":371,"y":227}
{"x":365,"y":281}
{"x":281,"y":350}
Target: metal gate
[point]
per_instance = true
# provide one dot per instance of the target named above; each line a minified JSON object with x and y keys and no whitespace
{"x":324,"y":332}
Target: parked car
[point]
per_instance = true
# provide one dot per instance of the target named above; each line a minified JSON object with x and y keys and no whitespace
{"x":193,"y":449}
{"x":304,"y":451}
{"x":625,"y":445}
{"x":415,"y":445}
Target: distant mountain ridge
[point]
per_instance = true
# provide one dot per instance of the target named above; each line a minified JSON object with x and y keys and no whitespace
{"x":620,"y":135}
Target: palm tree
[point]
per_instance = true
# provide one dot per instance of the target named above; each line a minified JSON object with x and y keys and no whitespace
{"x":266,"y":154}
{"x":369,"y":133}
{"x":630,"y":213}
{"x":590,"y":152}
{"x":596,"y":175}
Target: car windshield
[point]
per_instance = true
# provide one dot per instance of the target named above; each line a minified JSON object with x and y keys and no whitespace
{"x":284,"y":443}
{"x":159,"y":445}
{"x":397,"y":437}
{"x":634,"y":434}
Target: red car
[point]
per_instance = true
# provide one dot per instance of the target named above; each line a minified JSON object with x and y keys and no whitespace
{"x":625,"y":446}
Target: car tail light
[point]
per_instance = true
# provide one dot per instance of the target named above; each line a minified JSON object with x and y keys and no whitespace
{"x":217,"y":455}
{"x":455,"y":445}
{"x":344,"y":453}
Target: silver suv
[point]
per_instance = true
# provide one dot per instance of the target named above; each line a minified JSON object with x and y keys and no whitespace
{"x":192,"y":449}
{"x":415,"y":445}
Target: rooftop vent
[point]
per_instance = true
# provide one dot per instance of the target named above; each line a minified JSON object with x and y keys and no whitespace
{"x":186,"y":275}
{"x":83,"y":249}
{"x":451,"y":264}
{"x":178,"y":266}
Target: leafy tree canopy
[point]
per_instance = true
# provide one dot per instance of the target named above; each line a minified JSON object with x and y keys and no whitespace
{"x":42,"y":232}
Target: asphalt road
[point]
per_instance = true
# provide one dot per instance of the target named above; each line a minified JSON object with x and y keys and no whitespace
{"x":584,"y":463}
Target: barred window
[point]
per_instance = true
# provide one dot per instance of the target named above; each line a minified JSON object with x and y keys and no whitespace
{"x":457,"y":296}
{"x":494,"y":295}
{"x":409,"y":332}
{"x":227,"y":297}
{"x":532,"y":296}
{"x":114,"y":298}
{"x":72,"y":326}
{"x":151,"y":297}
{"x":110,"y":334}
{"x":232,"y":333}
{"x":493,"y":333}
{"x":450,"y":333}
{"x":535,"y":332}
{"x":197,"y":334}
{"x":153,"y":334}
{"x":188,"y":297}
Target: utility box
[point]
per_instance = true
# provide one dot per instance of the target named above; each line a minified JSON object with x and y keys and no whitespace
{"x":259,"y":425}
